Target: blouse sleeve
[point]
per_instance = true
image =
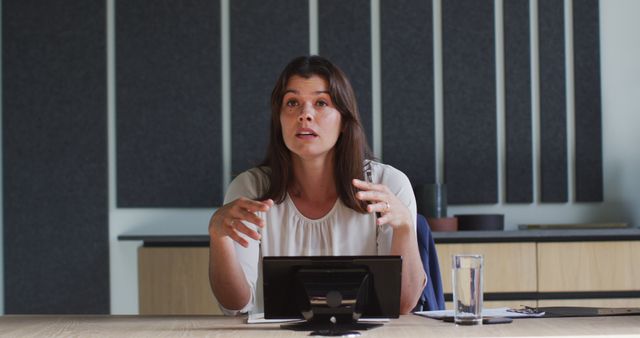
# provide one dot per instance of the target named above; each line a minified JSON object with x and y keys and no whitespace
{"x":400,"y":185}
{"x":246,"y":185}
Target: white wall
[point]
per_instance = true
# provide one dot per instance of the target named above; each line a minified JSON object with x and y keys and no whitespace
{"x":123,"y":254}
{"x":621,"y":107}
{"x":620,"y":66}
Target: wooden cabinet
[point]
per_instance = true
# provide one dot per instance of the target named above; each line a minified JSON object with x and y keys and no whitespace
{"x":175,"y":280}
{"x":557,"y":270}
{"x":508,"y":267}
{"x":589,"y":266}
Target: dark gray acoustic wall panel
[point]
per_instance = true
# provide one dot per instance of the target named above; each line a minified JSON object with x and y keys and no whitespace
{"x":265,"y":36}
{"x":345,"y":38}
{"x":470,"y":150}
{"x":56,"y":229}
{"x":517,"y":64}
{"x":553,"y":113}
{"x":168,"y":103}
{"x":588,"y":114}
{"x":407,"y":87}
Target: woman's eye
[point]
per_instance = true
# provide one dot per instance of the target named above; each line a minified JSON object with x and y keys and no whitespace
{"x":322,"y":103}
{"x":292,"y":103}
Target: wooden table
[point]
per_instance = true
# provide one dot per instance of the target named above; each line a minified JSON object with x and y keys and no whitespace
{"x":215,"y":326}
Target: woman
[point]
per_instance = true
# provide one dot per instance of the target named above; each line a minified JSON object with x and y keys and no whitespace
{"x":309,"y":196}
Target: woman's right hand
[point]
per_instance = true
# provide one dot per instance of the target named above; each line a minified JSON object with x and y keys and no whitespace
{"x":228,"y":219}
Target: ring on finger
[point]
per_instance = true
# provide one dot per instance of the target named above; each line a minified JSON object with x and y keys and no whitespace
{"x":387,"y":206}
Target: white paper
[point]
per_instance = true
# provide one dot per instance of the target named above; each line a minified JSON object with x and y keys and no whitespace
{"x":496,"y":312}
{"x":258,"y":318}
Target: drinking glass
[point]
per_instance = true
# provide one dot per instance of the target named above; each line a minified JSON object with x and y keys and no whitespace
{"x":467,"y":289}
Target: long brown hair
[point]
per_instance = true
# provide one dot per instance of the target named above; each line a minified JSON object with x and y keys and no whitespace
{"x":351,"y":148}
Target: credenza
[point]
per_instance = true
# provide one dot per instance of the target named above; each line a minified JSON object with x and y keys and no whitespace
{"x":586,"y":267}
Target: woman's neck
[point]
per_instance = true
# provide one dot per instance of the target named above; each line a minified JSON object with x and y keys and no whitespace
{"x":314,"y":180}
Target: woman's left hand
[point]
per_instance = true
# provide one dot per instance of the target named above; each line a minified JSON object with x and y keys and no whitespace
{"x":382,"y":200}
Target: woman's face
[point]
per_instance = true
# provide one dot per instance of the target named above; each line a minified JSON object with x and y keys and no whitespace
{"x":310,"y":121}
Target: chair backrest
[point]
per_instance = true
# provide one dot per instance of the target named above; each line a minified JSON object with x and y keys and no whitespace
{"x":432,"y":297}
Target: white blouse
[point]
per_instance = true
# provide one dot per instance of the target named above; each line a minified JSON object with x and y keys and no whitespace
{"x":342,"y":231}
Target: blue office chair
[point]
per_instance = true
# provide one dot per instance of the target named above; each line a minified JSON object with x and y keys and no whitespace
{"x":432,"y":297}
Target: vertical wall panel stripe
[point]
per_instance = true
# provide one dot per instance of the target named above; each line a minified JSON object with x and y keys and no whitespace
{"x":225,"y":64}
{"x":56,"y":252}
{"x":407,"y":88}
{"x":313,"y":27}
{"x":553,"y":113}
{"x":469,"y":101}
{"x":501,"y":124}
{"x":345,"y":39}
{"x":376,"y":81}
{"x":438,"y":111}
{"x":168,"y":106}
{"x":588,"y":115}
{"x":1,"y":175}
{"x":570,"y":95}
{"x":535,"y":95}
{"x":265,"y":36}
{"x":519,"y":179}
